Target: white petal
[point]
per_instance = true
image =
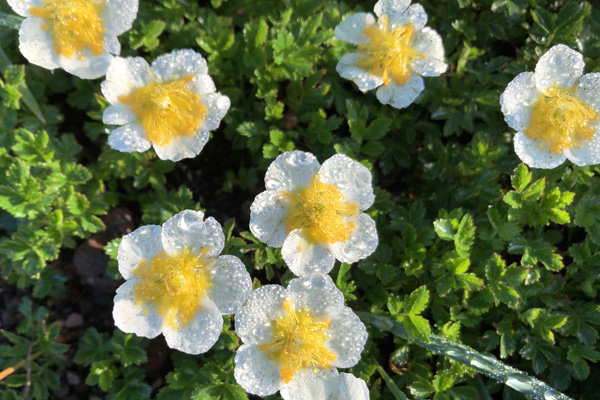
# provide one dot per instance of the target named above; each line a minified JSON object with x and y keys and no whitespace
{"x":252,"y":322}
{"x":588,"y":90}
{"x":202,"y":84}
{"x":200,"y":334}
{"x":142,"y":244}
{"x":415,"y":15}
{"x":351,"y":29}
{"x":364,"y":80}
{"x":389,"y":7}
{"x":362,"y":241}
{"x":429,"y":43}
{"x":401,"y":96}
{"x":118,"y":114}
{"x":217,"y":106}
{"x":532,"y":154}
{"x":179,"y":63}
{"x":255,"y":371}
{"x":128,"y":138}
{"x":112,"y":45}
{"x":518,"y":98}
{"x":560,"y":65}
{"x":318,"y":293}
{"x":125,"y":75}
{"x":351,"y":388}
{"x":188,"y":229}
{"x":304,"y":257}
{"x":310,"y":385}
{"x":183,"y":146}
{"x":589,"y":152}
{"x":231,"y":283}
{"x":267,"y":217}
{"x":291,"y":171}
{"x":86,"y":66}
{"x":119,"y":15}
{"x":347,"y":338}
{"x":22,"y":7}
{"x":133,"y":318}
{"x":36,"y":44}
{"x":350,"y":177}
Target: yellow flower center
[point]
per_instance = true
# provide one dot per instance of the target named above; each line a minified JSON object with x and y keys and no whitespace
{"x":297,"y":342}
{"x":74,"y":24}
{"x":389,"y":52}
{"x":561,"y":121}
{"x":321,"y":211}
{"x":175,"y":285}
{"x":167,"y":110}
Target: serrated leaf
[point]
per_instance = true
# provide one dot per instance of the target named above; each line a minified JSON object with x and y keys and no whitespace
{"x":417,"y":301}
{"x":520,"y":178}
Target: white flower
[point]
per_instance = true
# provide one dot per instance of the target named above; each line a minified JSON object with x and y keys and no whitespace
{"x":177,"y":284}
{"x":393,"y":53}
{"x":79,"y":36}
{"x":334,"y":387}
{"x":314,"y":212}
{"x":170,"y":105}
{"x":295,"y":338}
{"x":555,"y":111}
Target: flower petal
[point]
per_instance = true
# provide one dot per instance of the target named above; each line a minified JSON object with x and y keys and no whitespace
{"x":22,"y":7}
{"x":401,"y":96}
{"x":231,"y":283}
{"x":119,"y":16}
{"x":350,"y":177}
{"x":415,"y":15}
{"x":129,"y":138}
{"x":86,"y":66}
{"x":318,"y":293}
{"x":255,"y":371}
{"x":518,"y":98}
{"x":267,"y":217}
{"x":291,"y":170}
{"x":142,"y":244}
{"x":390,"y":7}
{"x":351,"y":29}
{"x":131,"y":317}
{"x":351,"y":388}
{"x":36,"y":44}
{"x":560,"y":65}
{"x":589,"y":152}
{"x":364,"y":80}
{"x":188,"y":229}
{"x":200,"y":334}
{"x":118,"y":115}
{"x":217,"y":106}
{"x":253,"y":320}
{"x":202,"y":84}
{"x":347,"y":338}
{"x":183,"y":146}
{"x":429,"y":43}
{"x":125,"y":75}
{"x":362,"y":241}
{"x":533,"y":155}
{"x":588,"y":90}
{"x":310,"y":385}
{"x":304,"y":257}
{"x":179,"y":63}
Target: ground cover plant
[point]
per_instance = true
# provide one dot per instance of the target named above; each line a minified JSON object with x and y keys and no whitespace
{"x":484,"y":281}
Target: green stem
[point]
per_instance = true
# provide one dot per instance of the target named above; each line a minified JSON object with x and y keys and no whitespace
{"x":10,"y":21}
{"x":483,"y":363}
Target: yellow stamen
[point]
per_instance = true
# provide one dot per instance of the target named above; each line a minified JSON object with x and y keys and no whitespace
{"x":321,"y":211}
{"x":389,"y":52}
{"x":74,"y":25}
{"x":167,"y":110}
{"x":298,"y":342}
{"x":174,"y":285}
{"x":561,"y":121}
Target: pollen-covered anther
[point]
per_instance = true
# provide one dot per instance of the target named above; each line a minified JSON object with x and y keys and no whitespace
{"x":174,"y":284}
{"x":297,"y":342}
{"x":389,"y":52}
{"x":321,"y":211}
{"x":167,"y":110}
{"x":561,"y":121}
{"x":74,"y":25}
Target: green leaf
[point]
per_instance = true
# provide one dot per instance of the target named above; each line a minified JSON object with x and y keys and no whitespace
{"x":465,"y":236}
{"x":93,"y":347}
{"x":417,"y":327}
{"x":417,"y":301}
{"x":520,"y":178}
{"x":443,"y":229}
